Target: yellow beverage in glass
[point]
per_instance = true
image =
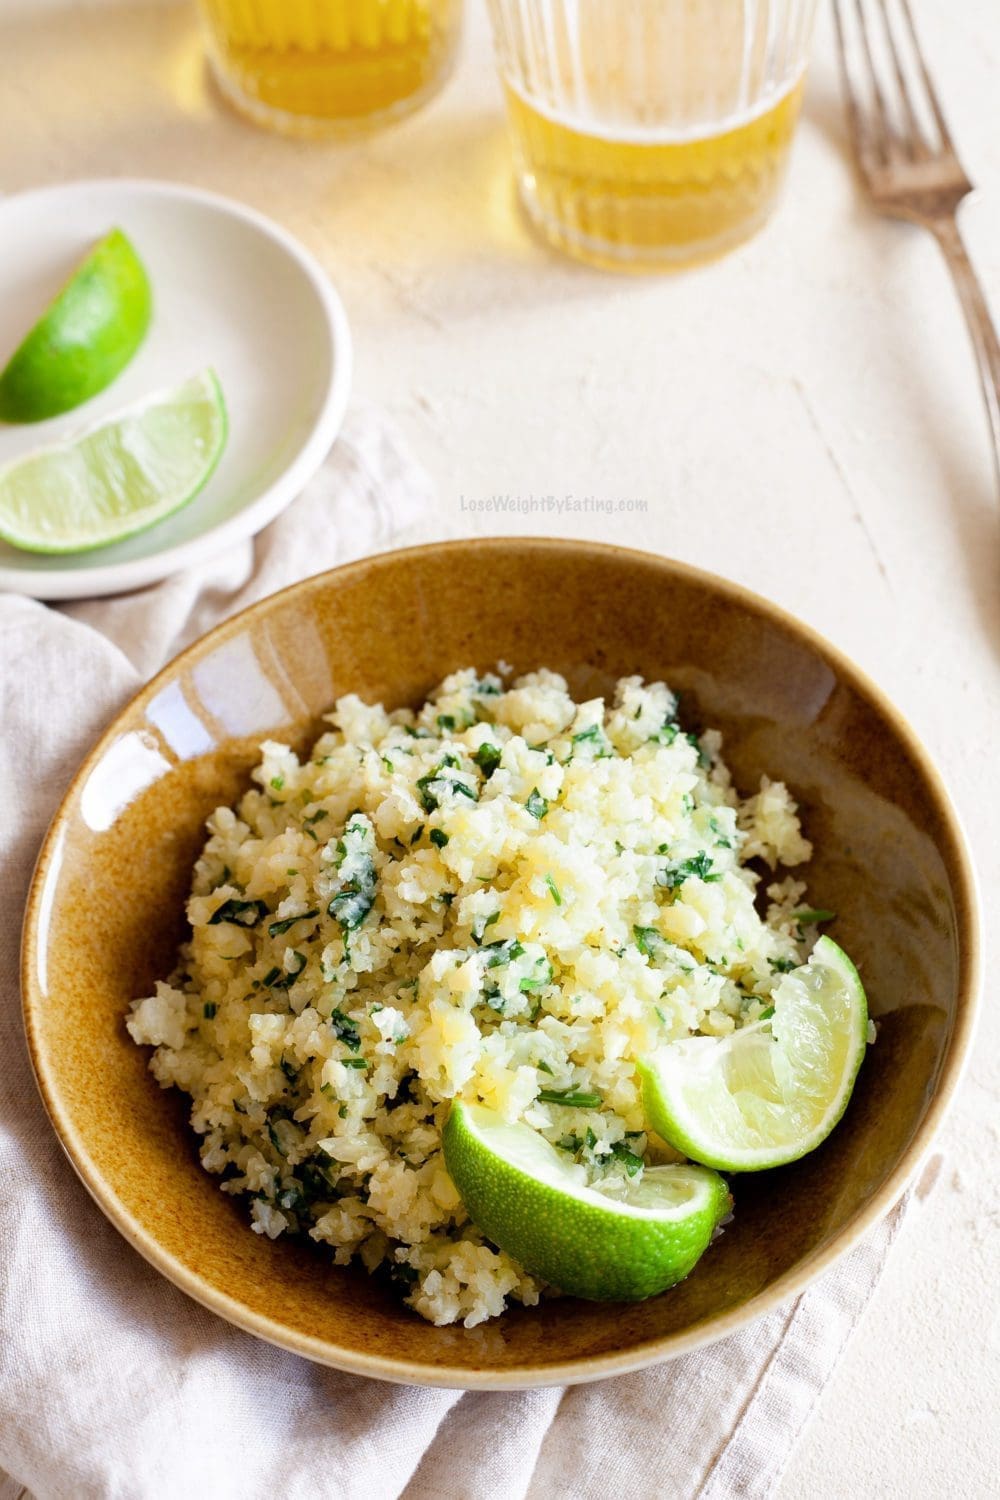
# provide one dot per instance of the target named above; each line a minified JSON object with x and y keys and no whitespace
{"x":651,"y":132}
{"x":329,"y":67}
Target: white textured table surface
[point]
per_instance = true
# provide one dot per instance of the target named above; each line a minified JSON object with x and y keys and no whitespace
{"x":802,"y":417}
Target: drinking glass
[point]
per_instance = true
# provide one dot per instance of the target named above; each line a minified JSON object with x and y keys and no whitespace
{"x":651,"y":132}
{"x":329,"y":67}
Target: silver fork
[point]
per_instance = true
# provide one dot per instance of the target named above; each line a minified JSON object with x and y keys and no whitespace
{"x":907,"y":157}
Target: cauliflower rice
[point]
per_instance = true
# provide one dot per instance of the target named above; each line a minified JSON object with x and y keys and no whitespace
{"x":508,"y":897}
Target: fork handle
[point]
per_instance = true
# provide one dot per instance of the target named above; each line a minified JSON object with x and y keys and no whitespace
{"x":978,"y":318}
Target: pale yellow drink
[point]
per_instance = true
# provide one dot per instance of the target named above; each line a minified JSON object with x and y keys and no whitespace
{"x":652,"y":132}
{"x":322,"y":67}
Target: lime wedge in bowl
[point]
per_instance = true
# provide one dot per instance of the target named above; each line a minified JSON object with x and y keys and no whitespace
{"x":119,"y":477}
{"x":534,"y":1202}
{"x":774,"y":1090}
{"x":84,"y":339}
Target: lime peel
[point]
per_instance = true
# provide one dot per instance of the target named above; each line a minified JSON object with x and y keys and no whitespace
{"x":118,"y":477}
{"x":773,"y":1091}
{"x":536,"y":1206}
{"x":87,"y":335}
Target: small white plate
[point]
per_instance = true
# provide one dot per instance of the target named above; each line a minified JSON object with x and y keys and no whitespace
{"x":231,"y":290}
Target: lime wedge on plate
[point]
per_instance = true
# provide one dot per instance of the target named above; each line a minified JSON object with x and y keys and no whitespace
{"x":119,"y":477}
{"x":533,"y":1201}
{"x":84,"y":339}
{"x":773,"y":1091}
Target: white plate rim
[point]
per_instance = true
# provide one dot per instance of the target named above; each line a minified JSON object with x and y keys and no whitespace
{"x":135,"y":573}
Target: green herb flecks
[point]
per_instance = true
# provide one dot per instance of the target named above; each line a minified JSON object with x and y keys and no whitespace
{"x":503,"y":952}
{"x":345,"y":1030}
{"x":812,"y":916}
{"x":539,"y":981}
{"x":594,"y":738}
{"x":487,"y":758}
{"x":356,"y":866}
{"x":278,"y":929}
{"x":569,"y":1098}
{"x":537,"y":805}
{"x":622,"y":1153}
{"x":438,"y":783}
{"x":438,"y":837}
{"x":242,"y":913}
{"x":650,"y":941}
{"x":480,"y":925}
{"x":674,"y":873}
{"x":556,"y":895}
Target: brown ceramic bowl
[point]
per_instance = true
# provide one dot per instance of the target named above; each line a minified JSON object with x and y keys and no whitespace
{"x":107,"y":912}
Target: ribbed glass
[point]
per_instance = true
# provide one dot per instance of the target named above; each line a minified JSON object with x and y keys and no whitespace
{"x":325,"y":67}
{"x":651,"y":131}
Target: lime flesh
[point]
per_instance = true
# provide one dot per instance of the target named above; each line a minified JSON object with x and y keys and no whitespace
{"x":84,"y":339}
{"x":533,"y":1202}
{"x":774,"y":1090}
{"x":118,"y":478}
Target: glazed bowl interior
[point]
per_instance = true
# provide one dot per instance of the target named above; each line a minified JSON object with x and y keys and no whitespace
{"x":107,"y":913}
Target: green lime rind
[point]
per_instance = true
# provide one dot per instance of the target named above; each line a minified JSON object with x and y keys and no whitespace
{"x":119,"y":477}
{"x":773,"y":1091}
{"x":84,"y":339}
{"x":525,"y":1197}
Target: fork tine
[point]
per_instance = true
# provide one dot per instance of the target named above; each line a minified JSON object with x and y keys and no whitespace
{"x":916,"y":142}
{"x":885,"y":143}
{"x":860,"y":136}
{"x":932,"y":97}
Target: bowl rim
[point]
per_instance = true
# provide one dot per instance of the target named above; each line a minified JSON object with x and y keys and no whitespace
{"x":587,"y":1368}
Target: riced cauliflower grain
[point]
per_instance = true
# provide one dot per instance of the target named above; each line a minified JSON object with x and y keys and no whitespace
{"x":507,"y":896}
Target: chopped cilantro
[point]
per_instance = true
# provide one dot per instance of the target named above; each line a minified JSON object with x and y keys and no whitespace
{"x":503,"y":952}
{"x":649,"y":941}
{"x":208,"y":1010}
{"x":356,"y":897}
{"x":570,"y":1098}
{"x":594,"y":735}
{"x":487,"y":758}
{"x":276,"y":929}
{"x":675,"y":872}
{"x":628,"y":1159}
{"x":527,"y":985}
{"x":355,"y":1062}
{"x":435,"y":784}
{"x":557,"y":898}
{"x":480,"y":925}
{"x":537,"y":805}
{"x":667,"y":732}
{"x":810,"y":916}
{"x":243,"y":913}
{"x":345,"y":1030}
{"x":438,"y":837}
{"x":277,"y":782}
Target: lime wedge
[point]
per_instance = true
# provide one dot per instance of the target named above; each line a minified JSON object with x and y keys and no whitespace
{"x":533,"y":1201}
{"x":773,"y":1091}
{"x":84,"y":339}
{"x":119,"y":477}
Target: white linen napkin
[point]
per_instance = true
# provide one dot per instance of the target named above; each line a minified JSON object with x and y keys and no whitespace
{"x":113,"y":1385}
